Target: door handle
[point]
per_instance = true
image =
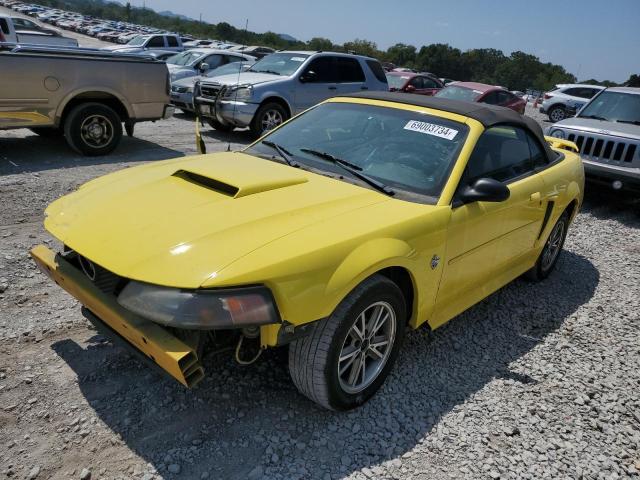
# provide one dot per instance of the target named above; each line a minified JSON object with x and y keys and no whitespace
{"x":364,"y":88}
{"x":535,"y":197}
{"x":332,"y":88}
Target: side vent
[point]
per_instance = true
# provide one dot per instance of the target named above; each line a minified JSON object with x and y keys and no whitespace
{"x":207,"y":182}
{"x":545,"y":220}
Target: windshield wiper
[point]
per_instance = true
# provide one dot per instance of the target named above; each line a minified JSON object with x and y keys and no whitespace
{"x":632,"y":122}
{"x":352,"y":168}
{"x":283,"y":152}
{"x":267,"y":71}
{"x":595,"y":117}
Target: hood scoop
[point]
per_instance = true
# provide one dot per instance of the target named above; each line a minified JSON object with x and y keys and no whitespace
{"x":239,"y":175}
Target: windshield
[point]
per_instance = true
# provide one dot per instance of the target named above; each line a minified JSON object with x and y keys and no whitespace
{"x":279,"y":63}
{"x":135,"y":41}
{"x":184,"y":58}
{"x":397,"y":81}
{"x":459,"y":93}
{"x":614,"y":106}
{"x":408,"y":151}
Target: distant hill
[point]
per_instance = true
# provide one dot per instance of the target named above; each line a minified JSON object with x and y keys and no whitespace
{"x":286,"y":37}
{"x":169,"y":13}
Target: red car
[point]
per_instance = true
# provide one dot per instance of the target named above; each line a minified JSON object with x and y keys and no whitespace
{"x":483,"y":93}
{"x":409,"y":82}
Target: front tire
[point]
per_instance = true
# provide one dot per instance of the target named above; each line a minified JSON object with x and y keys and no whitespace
{"x":557,"y":113}
{"x":269,"y":116}
{"x":93,"y":129}
{"x":551,"y":252}
{"x":348,"y":356}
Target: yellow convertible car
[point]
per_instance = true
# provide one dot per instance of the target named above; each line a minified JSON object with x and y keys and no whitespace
{"x":333,"y":233}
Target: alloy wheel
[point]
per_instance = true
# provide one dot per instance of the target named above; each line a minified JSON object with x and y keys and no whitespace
{"x":271,"y":119}
{"x":553,"y":245}
{"x":367,"y":347}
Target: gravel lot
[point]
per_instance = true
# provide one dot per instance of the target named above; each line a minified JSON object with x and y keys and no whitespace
{"x":537,"y":381}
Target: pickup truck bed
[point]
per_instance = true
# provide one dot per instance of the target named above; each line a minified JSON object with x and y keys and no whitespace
{"x":84,"y":94}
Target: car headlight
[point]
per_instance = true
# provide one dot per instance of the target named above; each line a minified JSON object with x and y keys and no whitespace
{"x":557,"y":133}
{"x":240,"y":93}
{"x":200,"y":309}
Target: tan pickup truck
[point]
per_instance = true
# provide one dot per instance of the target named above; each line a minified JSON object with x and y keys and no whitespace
{"x":86,"y":95}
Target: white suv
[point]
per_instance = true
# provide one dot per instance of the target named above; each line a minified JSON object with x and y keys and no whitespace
{"x":566,"y":99}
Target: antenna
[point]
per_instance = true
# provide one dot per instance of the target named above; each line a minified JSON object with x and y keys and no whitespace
{"x":235,"y":100}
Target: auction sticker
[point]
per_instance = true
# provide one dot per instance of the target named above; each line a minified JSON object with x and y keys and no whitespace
{"x":431,"y":129}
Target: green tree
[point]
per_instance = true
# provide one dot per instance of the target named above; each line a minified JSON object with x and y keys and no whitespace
{"x":482,"y":64}
{"x":401,"y":55}
{"x":634,"y":81}
{"x":320,"y":44}
{"x":442,"y":60}
{"x":362,"y":47}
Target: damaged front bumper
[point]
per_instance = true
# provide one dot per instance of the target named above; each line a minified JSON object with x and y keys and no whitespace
{"x":151,"y":340}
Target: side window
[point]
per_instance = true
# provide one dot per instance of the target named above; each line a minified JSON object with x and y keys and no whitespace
{"x":491,"y":98}
{"x":233,"y":59}
{"x":322,"y":69}
{"x":429,"y":83}
{"x":377,"y":70}
{"x":172,"y":41}
{"x":504,"y":97}
{"x":4,"y":26}
{"x":588,"y":92}
{"x":416,"y":82}
{"x":502,"y":153}
{"x":155,"y":42}
{"x":349,"y":70}
{"x":538,"y":155}
{"x":214,"y":61}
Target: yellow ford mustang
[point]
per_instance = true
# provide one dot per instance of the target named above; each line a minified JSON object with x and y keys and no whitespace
{"x":331,"y":234}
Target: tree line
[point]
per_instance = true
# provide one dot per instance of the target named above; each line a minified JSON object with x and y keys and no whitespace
{"x":517,"y":71}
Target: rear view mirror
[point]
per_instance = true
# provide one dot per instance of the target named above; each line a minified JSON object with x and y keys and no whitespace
{"x":485,"y":190}
{"x":409,"y":89}
{"x":308,"y":76}
{"x":204,"y":67}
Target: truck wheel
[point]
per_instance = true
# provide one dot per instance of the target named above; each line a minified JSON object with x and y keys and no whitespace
{"x":47,"y":131}
{"x":269,"y":116}
{"x":93,"y":129}
{"x":557,"y":113}
{"x":221,"y":127}
{"x":348,"y":356}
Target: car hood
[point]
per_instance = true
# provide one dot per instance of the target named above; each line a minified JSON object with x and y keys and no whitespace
{"x":188,"y":81}
{"x":626,"y":130}
{"x":251,"y":78}
{"x":180,"y":222}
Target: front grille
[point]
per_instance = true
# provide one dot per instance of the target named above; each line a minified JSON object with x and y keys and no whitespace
{"x":602,"y":148}
{"x":210,"y":90}
{"x":106,"y":281}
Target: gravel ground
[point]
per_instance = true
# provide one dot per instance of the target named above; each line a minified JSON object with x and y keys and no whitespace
{"x":537,"y":381}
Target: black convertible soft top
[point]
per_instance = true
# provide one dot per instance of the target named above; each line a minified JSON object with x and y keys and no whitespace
{"x":487,"y":115}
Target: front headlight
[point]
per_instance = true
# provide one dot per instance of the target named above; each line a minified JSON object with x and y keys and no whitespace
{"x":200,"y":309}
{"x":557,"y":133}
{"x":240,"y":93}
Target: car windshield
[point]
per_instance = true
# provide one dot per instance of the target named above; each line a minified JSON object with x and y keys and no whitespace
{"x":408,"y":151}
{"x":397,"y":81}
{"x":614,"y":107}
{"x":184,"y":58}
{"x":136,"y":41}
{"x":459,"y":93}
{"x":279,"y":63}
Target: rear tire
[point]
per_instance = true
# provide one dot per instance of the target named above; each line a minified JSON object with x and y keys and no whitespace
{"x":551,"y":252}
{"x":557,"y":113}
{"x":269,"y":116}
{"x":326,"y":366}
{"x":47,"y":132}
{"x":93,"y":129}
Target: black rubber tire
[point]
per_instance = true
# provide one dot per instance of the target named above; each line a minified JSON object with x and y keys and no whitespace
{"x":219,"y":126}
{"x":538,"y":272}
{"x":256,"y":122}
{"x":48,"y":132}
{"x":558,"y":108}
{"x":313,"y":360}
{"x":75,"y":119}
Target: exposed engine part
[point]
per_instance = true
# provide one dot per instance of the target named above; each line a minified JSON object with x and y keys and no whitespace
{"x":237,"y":355}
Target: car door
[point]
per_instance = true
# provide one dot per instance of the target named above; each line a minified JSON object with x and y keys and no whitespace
{"x":350,"y":76}
{"x":488,"y":242}
{"x":213,"y":61}
{"x":429,"y":86}
{"x":156,"y":41}
{"x":317,"y":82}
{"x":509,"y":100}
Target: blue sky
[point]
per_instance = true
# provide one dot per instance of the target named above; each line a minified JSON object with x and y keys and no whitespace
{"x":590,"y":38}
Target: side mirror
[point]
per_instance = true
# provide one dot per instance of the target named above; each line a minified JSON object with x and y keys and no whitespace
{"x":409,"y":89}
{"x":485,"y":190}
{"x":204,"y":67}
{"x":308,"y":76}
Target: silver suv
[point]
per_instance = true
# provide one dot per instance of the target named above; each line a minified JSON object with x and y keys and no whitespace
{"x":566,"y":99}
{"x":284,"y":84}
{"x":607,"y":133}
